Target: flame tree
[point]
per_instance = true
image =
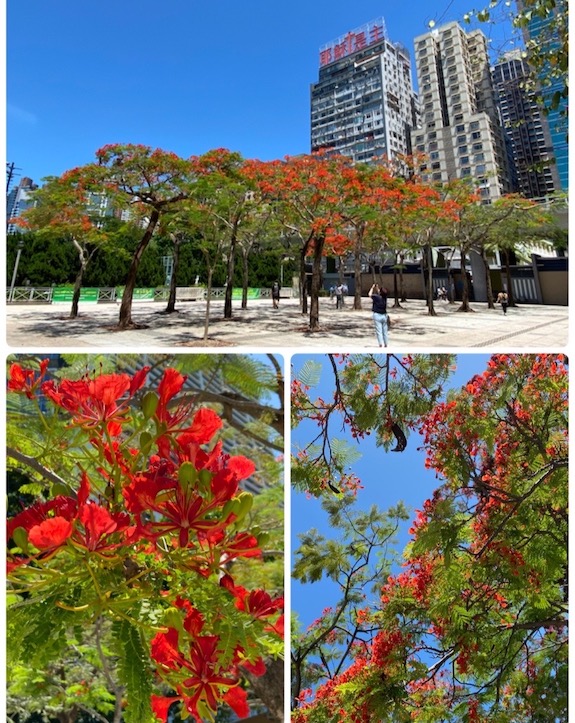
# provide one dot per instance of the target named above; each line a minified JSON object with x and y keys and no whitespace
{"x":307,"y":193}
{"x":474,"y":627}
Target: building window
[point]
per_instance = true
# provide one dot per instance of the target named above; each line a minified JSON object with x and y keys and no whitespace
{"x":436,"y":176}
{"x":475,"y":136}
{"x":479,"y":157}
{"x":462,"y":150}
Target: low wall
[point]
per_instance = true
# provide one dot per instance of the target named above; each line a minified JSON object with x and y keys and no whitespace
{"x":554,"y":287}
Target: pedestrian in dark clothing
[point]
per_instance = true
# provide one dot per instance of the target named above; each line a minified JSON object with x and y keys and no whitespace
{"x":378,"y":297}
{"x":503,"y":299}
{"x":276,"y":294}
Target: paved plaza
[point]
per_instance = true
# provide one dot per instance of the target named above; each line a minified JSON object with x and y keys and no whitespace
{"x":261,"y":327}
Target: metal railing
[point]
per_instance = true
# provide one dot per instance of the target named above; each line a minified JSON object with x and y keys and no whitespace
{"x":109,"y":295}
{"x":29,"y":294}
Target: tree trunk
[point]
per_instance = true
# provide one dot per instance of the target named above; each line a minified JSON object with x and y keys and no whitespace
{"x":316,"y":284}
{"x":209,"y":293}
{"x":465,"y":292}
{"x":245,"y":275}
{"x":402,"y":295}
{"x":68,"y":716}
{"x":303,"y":280}
{"x":396,"y":304}
{"x":230,"y":275}
{"x":488,"y":285}
{"x":80,"y":275}
{"x":77,"y":291}
{"x":171,"y":307}
{"x":429,"y":256}
{"x":357,"y":277}
{"x":509,"y":289}
{"x":125,"y":319}
{"x":269,"y":688}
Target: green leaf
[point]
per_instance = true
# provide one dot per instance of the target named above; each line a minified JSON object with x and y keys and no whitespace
{"x":149,"y":404}
{"x":134,"y":672}
{"x":310,"y":373}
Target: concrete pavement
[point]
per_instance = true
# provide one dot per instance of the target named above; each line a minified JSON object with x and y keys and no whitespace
{"x":261,"y":327}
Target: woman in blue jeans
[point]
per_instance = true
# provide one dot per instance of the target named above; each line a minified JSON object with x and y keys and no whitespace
{"x":378,"y":297}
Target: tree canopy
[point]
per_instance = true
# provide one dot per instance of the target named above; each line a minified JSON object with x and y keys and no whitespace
{"x":473,"y":625}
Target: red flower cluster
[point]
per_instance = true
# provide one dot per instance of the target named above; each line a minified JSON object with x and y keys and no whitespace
{"x":84,"y":523}
{"x":205,"y":681}
{"x":26,"y":380}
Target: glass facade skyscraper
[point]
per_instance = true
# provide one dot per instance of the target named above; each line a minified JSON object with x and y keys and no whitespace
{"x":526,"y":127}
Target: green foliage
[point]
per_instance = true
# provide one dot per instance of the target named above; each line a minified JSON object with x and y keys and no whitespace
{"x":356,"y":559}
{"x":369,"y":394}
{"x":133,"y":671}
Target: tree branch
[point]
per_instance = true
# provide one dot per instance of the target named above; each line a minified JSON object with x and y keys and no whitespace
{"x":34,"y":464}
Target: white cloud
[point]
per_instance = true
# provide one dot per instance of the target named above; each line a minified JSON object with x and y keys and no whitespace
{"x":21,"y":115}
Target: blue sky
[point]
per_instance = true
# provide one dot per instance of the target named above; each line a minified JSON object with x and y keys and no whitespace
{"x":387,"y":478}
{"x":180,"y":75}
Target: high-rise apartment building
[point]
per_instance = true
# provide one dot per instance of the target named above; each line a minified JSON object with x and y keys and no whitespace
{"x":363,"y":104}
{"x":460,"y":131}
{"x":526,"y":127}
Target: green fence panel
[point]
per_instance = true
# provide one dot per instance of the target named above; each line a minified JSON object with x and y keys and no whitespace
{"x":65,"y":293}
{"x":138,"y":295}
{"x":252,"y":293}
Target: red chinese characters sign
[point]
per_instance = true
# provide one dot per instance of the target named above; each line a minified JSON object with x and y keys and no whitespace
{"x":353,"y":41}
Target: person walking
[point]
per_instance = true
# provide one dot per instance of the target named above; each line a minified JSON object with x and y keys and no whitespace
{"x":503,"y":299}
{"x":378,"y":296}
{"x":339,"y":296}
{"x":276,"y":294}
